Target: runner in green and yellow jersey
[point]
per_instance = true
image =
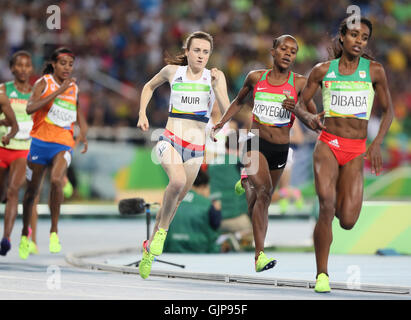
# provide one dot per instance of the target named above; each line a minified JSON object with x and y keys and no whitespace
{"x":13,"y":155}
{"x":349,"y":83}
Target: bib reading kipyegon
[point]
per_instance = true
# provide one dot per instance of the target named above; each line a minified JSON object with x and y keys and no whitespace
{"x":62,"y":113}
{"x":268,"y":108}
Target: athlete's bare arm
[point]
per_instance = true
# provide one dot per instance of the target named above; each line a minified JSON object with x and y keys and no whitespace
{"x":82,"y":123}
{"x":382,"y":92}
{"x":4,"y":122}
{"x":36,"y":102}
{"x":304,"y":106}
{"x":238,"y":102}
{"x":161,"y":77}
{"x":10,"y":117}
{"x":301,"y":82}
{"x":219,"y":84}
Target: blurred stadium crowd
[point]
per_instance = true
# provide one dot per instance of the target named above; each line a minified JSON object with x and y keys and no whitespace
{"x":126,"y":40}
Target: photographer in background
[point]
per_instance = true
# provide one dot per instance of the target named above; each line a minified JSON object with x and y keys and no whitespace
{"x":195,"y":226}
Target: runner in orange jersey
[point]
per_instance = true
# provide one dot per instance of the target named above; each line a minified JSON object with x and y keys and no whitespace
{"x":54,"y":108}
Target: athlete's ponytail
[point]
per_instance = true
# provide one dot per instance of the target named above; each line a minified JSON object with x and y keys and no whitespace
{"x":336,"y":49}
{"x":48,"y":69}
{"x":181,"y":59}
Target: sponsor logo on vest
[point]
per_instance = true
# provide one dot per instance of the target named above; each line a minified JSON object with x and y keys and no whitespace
{"x":179,"y":79}
{"x":362,"y":74}
{"x":331,"y":75}
{"x":260,"y":88}
{"x":334,"y":143}
{"x":345,"y":101}
{"x":13,"y":95}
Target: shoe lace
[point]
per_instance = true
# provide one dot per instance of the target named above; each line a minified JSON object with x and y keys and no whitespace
{"x":162,"y":235}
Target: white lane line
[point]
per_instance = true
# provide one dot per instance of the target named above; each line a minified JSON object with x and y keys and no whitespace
{"x":148,"y":287}
{"x":62,"y":292}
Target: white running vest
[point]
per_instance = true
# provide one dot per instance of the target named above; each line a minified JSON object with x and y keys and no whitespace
{"x":191,"y":99}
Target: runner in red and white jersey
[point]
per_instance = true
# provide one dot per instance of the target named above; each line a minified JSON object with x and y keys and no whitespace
{"x":266,"y":149}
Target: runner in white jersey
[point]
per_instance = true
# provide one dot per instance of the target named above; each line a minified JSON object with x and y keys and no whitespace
{"x":180,"y":148}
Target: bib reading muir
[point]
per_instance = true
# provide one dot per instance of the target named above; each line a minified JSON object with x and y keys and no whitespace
{"x":268,"y":109}
{"x":62,"y":113}
{"x":191,"y":99}
{"x":349,"y":96}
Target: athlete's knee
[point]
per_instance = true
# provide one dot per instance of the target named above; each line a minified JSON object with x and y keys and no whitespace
{"x":264,"y":192}
{"x":347,"y":223}
{"x":327,"y":204}
{"x":29,"y":196}
{"x":250,"y":209}
{"x":56,"y":182}
{"x":327,"y":211}
{"x":12,"y":192}
{"x":176,"y":186}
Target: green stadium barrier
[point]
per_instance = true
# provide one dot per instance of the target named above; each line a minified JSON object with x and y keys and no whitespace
{"x":381,"y":225}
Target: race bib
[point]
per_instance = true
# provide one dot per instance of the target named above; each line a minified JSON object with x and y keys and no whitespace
{"x":191,"y":98}
{"x":348,"y":98}
{"x":62,"y":113}
{"x":25,"y":125}
{"x":268,"y":109}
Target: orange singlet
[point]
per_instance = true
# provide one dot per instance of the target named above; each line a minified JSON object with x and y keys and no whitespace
{"x":55,"y":121}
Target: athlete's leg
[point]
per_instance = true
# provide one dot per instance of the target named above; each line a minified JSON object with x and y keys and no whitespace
{"x":34,"y":175}
{"x":172,"y":164}
{"x":350,"y":188}
{"x":3,"y":188}
{"x":326,"y":172}
{"x":191,"y":168}
{"x":34,"y":217}
{"x":263,"y":187}
{"x":250,"y":195}
{"x":3,"y":183}
{"x":17,"y":176}
{"x":57,"y":174}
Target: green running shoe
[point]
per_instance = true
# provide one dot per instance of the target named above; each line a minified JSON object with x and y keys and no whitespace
{"x":24,"y":247}
{"x":33,"y":248}
{"x":54,"y":245}
{"x":156,"y":246}
{"x":238,"y":188}
{"x":299,"y":204}
{"x":144,"y":267}
{"x":283,"y":203}
{"x":264,"y":263}
{"x":68,"y":190}
{"x":322,"y":285}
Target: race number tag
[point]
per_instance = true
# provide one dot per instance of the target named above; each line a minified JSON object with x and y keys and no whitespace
{"x":62,"y":113}
{"x":25,"y":125}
